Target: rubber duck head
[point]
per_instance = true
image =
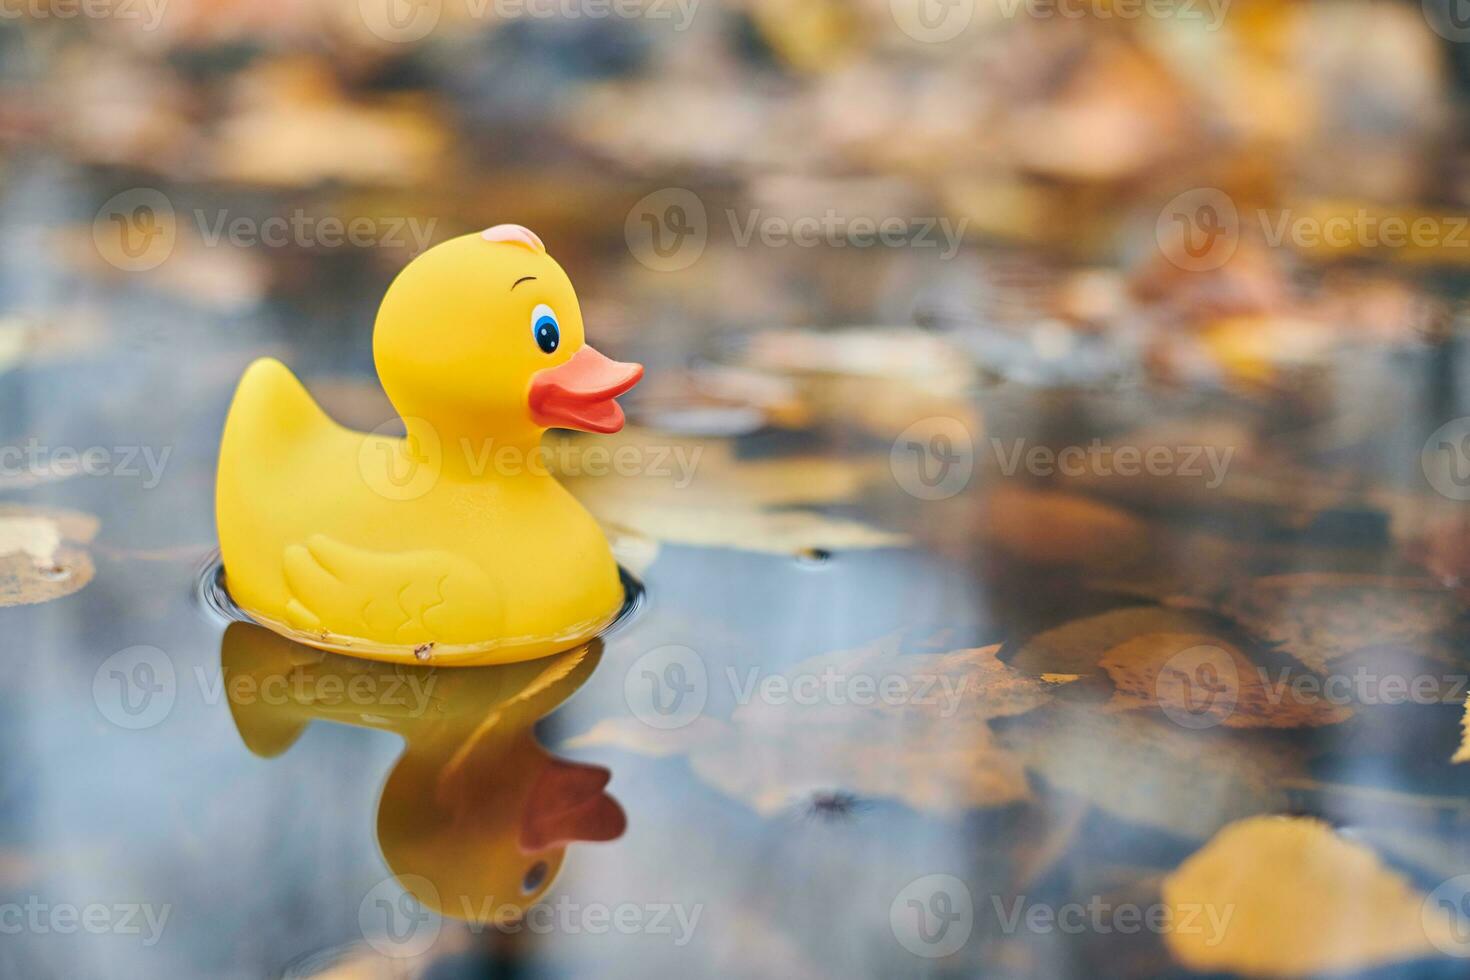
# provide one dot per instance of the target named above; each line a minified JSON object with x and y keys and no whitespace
{"x":483,"y":335}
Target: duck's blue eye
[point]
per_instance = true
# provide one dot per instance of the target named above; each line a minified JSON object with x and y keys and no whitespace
{"x":545,"y":328}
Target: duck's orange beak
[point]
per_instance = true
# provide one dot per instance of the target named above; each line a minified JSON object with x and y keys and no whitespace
{"x":579,"y":393}
{"x":567,"y":804}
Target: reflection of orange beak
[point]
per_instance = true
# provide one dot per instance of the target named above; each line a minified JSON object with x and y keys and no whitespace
{"x":567,"y":804}
{"x":579,"y":393}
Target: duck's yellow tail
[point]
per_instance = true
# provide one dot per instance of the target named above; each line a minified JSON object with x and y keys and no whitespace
{"x":271,"y":423}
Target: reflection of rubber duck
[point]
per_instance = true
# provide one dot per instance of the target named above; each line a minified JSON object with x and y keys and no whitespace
{"x":453,"y":544}
{"x":475,"y":816}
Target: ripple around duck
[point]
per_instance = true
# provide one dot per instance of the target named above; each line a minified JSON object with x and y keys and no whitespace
{"x":214,"y":597}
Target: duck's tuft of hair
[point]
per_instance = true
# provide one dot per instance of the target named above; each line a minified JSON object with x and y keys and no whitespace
{"x":514,"y":235}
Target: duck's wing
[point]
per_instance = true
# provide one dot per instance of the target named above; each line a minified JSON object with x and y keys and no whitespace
{"x":409,"y":597}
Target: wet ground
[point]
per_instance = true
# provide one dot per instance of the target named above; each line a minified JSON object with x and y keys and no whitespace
{"x":901,"y":696}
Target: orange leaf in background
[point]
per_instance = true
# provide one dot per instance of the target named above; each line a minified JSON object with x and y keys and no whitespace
{"x":293,"y":127}
{"x":1052,"y":528}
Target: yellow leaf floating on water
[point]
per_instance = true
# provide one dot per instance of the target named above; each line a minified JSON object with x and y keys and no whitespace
{"x":1462,"y":754}
{"x":697,"y":493}
{"x":1203,"y":681}
{"x":42,"y":555}
{"x":1301,"y":901}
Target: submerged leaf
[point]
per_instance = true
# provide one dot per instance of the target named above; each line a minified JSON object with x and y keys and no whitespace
{"x":1201,"y":681}
{"x":1150,"y":771}
{"x":1076,"y":647}
{"x":873,"y":723}
{"x":1320,"y":617}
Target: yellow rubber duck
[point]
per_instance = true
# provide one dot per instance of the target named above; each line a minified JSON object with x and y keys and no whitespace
{"x":452,"y":545}
{"x":475,"y":817}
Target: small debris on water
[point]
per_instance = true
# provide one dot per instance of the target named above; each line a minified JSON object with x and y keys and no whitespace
{"x":834,"y":806}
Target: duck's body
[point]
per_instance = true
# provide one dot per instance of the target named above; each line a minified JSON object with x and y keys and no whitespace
{"x":452,"y":545}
